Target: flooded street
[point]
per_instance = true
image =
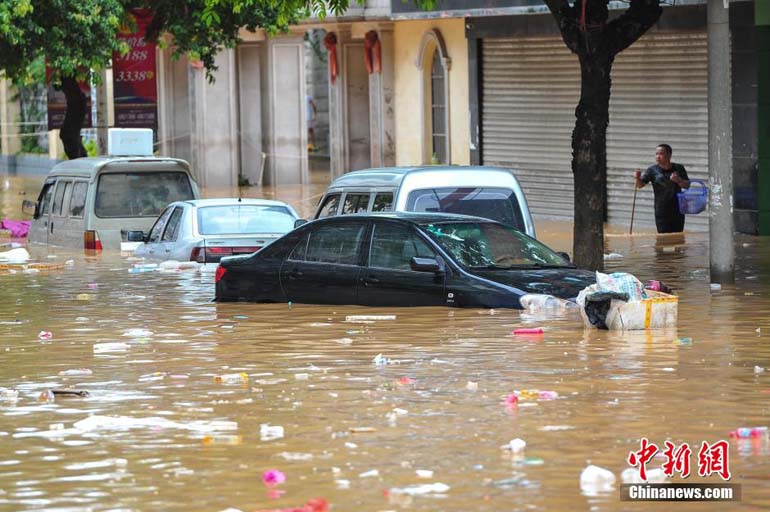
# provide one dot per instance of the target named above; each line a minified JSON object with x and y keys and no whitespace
{"x":182,"y":391}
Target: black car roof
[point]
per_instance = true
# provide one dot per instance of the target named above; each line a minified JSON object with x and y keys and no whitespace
{"x":422,"y":218}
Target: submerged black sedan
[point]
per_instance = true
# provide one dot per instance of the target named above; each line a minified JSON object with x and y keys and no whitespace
{"x":401,"y":259}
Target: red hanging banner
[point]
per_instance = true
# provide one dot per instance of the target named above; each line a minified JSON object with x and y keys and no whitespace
{"x":135,"y":87}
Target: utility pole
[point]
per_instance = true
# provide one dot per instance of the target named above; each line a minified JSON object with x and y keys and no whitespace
{"x":721,"y":223}
{"x":102,"y":121}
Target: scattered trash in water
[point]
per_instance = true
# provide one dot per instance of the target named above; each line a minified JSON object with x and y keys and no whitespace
{"x":138,"y":333}
{"x":405,"y":381}
{"x":83,"y":297}
{"x":595,"y":480}
{"x":81,"y":393}
{"x":269,"y":432}
{"x":100,"y":348}
{"x":8,"y":395}
{"x":536,"y":394}
{"x":47,"y":396}
{"x":511,"y":399}
{"x":516,"y":445}
{"x":223,"y":439}
{"x":758,"y":369}
{"x":654,"y":476}
{"x":19,"y":255}
{"x":231,"y":378}
{"x":613,"y":256}
{"x":361,"y":430}
{"x":528,"y":331}
{"x":684,"y":341}
{"x":369,"y":474}
{"x":45,"y":335}
{"x":98,"y":422}
{"x":529,"y":461}
{"x":472,"y":386}
{"x":273,"y":477}
{"x":368,"y":318}
{"x":295,"y":456}
{"x":555,"y":428}
{"x":301,"y":376}
{"x":715,"y":286}
{"x":314,"y":505}
{"x":749,"y":433}
{"x":416,"y":490}
{"x":380,"y":360}
{"x":424,"y":473}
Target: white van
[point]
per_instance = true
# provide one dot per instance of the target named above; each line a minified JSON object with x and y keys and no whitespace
{"x":489,"y":192}
{"x":94,"y":202}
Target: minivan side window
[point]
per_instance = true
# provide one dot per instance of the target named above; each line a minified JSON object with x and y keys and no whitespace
{"x":383,"y":202}
{"x":355,"y":203}
{"x":78,"y":201}
{"x":58,"y":198}
{"x":45,"y":200}
{"x":159,"y":226}
{"x":338,"y":244}
{"x":329,"y":207}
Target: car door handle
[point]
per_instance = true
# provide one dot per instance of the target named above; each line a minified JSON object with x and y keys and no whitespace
{"x":295,"y":273}
{"x":370,"y":280}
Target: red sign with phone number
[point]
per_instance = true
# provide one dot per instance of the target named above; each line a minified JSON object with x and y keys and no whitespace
{"x":135,"y":86}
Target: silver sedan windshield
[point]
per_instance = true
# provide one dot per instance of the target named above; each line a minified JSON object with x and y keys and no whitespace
{"x":244,"y":218}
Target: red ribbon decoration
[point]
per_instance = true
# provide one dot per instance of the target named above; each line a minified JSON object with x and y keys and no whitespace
{"x":330,"y":41}
{"x":372,"y":52}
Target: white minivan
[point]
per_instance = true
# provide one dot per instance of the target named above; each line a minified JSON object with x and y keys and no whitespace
{"x":94,"y":202}
{"x":489,"y":192}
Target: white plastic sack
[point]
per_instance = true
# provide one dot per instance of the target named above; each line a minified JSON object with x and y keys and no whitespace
{"x":621,"y":282}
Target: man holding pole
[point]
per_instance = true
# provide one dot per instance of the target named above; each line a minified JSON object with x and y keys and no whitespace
{"x":668,"y":179}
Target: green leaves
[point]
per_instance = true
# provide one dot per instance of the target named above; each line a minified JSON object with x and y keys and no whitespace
{"x":78,"y":35}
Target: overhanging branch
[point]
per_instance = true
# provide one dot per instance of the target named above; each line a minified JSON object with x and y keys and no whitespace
{"x":566,"y":21}
{"x":640,"y":16}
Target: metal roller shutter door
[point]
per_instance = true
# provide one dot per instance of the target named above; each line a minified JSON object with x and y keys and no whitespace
{"x":659,"y":95}
{"x":531,"y":87}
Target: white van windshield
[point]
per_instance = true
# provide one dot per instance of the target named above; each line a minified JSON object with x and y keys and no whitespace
{"x":498,"y":204}
{"x":140,"y":194}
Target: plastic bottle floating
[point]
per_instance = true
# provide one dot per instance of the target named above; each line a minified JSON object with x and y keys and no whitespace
{"x":535,"y":394}
{"x":749,"y":433}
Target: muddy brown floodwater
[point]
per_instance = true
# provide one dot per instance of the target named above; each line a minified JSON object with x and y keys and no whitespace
{"x":160,"y":432}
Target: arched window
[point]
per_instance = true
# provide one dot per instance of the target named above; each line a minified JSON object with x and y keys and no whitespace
{"x":433,"y":63}
{"x":438,"y":105}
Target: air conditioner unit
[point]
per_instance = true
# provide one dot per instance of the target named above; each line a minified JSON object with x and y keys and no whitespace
{"x":129,"y":141}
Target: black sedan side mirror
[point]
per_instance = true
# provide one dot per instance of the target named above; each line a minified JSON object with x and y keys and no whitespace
{"x":299,"y":222}
{"x":135,"y":236}
{"x":564,"y":255}
{"x":425,"y":264}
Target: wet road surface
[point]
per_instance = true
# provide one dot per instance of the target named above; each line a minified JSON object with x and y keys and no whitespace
{"x":171,"y":424}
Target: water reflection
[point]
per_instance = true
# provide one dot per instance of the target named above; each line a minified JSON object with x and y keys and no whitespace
{"x":163,"y":432}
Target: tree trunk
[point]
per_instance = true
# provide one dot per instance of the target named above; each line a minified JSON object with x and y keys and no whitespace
{"x":73,"y":119}
{"x":589,"y":160}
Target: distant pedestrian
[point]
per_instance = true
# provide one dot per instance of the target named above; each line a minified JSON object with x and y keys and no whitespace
{"x":668,"y":179}
{"x":310,"y":113}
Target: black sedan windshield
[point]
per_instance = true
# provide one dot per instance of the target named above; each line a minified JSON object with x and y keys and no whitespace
{"x":487,"y":245}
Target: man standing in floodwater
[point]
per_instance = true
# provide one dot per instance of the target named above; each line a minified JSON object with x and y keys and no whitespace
{"x":668,"y":179}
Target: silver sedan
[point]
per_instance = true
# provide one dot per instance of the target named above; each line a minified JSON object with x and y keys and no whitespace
{"x":205,"y":230}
